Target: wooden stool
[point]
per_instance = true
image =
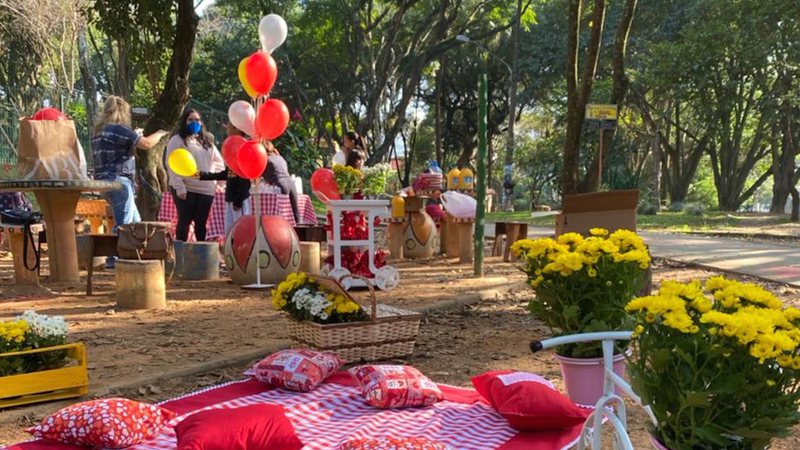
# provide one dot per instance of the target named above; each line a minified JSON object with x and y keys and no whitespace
{"x":140,"y":284}
{"x":310,"y":233}
{"x":97,"y":245}
{"x":505,"y":235}
{"x":397,"y":227}
{"x":449,"y":238}
{"x":466,"y":248}
{"x":309,"y":257}
{"x":16,"y":241}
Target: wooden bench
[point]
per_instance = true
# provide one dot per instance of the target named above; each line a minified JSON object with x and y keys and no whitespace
{"x":16,"y":241}
{"x":311,"y":233}
{"x":98,"y":245}
{"x":507,"y":233}
{"x":98,"y":212}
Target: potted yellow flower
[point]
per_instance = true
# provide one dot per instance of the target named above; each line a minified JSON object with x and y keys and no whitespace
{"x":719,"y":367}
{"x":582,"y":285}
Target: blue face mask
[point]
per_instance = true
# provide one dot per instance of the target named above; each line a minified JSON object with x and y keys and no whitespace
{"x":194,"y":127}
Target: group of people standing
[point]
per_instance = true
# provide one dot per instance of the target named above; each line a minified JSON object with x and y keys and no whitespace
{"x":114,"y":143}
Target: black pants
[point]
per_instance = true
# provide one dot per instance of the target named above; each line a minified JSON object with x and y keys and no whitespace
{"x":287,"y":187}
{"x":194,"y":209}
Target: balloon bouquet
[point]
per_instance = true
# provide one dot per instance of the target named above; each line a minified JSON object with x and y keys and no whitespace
{"x":263,"y":118}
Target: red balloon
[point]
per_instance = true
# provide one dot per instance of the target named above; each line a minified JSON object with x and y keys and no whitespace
{"x":49,"y":114}
{"x":323,"y":182}
{"x":252,"y":160}
{"x":261,"y":72}
{"x":272,"y":119}
{"x":230,"y":152}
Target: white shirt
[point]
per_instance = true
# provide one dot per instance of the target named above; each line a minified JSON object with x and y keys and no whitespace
{"x":340,"y":158}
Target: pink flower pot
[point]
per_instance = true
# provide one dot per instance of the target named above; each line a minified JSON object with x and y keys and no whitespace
{"x":657,"y":444}
{"x":583,"y":377}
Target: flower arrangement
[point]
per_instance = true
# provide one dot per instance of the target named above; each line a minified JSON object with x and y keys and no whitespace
{"x":305,"y":299}
{"x":348,"y":179}
{"x":31,"y":331}
{"x":583,"y":284}
{"x":719,"y":367}
{"x":375,"y":179}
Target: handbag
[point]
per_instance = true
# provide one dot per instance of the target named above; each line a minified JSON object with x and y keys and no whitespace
{"x":26,"y":218}
{"x":145,"y":240}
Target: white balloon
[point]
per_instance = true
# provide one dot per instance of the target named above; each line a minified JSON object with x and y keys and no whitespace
{"x":272,"y":32}
{"x":243,"y":116}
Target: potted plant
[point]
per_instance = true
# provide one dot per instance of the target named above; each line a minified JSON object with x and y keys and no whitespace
{"x":582,"y":285}
{"x":348,"y":179}
{"x":323,"y":316}
{"x":375,"y":179}
{"x":719,"y":367}
{"x":37,"y":363}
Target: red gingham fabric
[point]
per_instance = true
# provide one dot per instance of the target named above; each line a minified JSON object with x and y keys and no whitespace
{"x":335,"y":412}
{"x":271,"y":205}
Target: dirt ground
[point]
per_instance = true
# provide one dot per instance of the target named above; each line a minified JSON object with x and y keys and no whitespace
{"x":209,"y":322}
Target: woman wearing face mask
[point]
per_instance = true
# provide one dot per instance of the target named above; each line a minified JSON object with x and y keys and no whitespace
{"x":193,"y":197}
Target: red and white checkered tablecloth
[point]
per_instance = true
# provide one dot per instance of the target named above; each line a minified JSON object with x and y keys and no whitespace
{"x":271,"y":205}
{"x":335,"y":412}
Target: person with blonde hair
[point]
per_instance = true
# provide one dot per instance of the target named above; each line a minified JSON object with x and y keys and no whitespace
{"x":113,"y":145}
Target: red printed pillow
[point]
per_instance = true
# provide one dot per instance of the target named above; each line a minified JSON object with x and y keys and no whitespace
{"x":395,"y":386}
{"x":528,"y":401}
{"x":390,"y":443}
{"x":296,"y":370}
{"x":109,"y":423}
{"x":246,"y":428}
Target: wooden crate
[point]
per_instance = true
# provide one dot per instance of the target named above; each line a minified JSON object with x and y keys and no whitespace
{"x":46,"y":385}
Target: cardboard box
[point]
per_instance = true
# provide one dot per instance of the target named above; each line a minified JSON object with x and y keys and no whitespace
{"x":611,"y":210}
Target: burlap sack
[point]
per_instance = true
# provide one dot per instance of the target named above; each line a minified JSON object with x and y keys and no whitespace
{"x":49,"y":150}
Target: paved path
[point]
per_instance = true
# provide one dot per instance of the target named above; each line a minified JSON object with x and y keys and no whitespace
{"x":771,"y":261}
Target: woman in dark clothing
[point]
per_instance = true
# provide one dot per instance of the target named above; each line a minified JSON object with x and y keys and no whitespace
{"x":237,"y":189}
{"x":277,"y":173}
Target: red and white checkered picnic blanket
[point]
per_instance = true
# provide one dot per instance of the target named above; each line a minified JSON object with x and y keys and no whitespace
{"x":271,"y":205}
{"x":335,"y":412}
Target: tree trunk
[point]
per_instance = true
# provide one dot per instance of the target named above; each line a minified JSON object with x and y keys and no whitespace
{"x":579,"y":90}
{"x":89,"y":85}
{"x":619,"y":91}
{"x":166,"y":111}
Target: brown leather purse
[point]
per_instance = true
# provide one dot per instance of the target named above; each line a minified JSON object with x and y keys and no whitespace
{"x":145,"y":240}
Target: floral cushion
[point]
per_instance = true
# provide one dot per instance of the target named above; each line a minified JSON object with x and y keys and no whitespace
{"x":108,"y":423}
{"x":296,"y":370}
{"x":249,"y":427}
{"x":392,"y":443}
{"x":528,"y":401}
{"x":395,"y":386}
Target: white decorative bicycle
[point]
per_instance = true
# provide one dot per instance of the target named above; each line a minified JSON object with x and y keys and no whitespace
{"x":610,"y":408}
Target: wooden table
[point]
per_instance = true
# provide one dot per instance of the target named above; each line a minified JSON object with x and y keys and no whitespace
{"x":512,"y":232}
{"x":58,"y":199}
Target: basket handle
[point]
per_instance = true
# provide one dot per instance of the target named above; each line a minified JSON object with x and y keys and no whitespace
{"x":373,"y":300}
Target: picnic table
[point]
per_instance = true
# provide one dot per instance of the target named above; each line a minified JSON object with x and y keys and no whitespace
{"x":58,"y":199}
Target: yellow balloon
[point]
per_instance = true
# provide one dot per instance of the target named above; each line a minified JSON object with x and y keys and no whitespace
{"x":243,"y":79}
{"x":182,"y":162}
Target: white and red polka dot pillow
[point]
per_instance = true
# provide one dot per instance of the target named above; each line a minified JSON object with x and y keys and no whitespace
{"x":109,"y":423}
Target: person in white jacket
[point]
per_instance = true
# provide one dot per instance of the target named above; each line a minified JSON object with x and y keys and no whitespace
{"x":193,"y":197}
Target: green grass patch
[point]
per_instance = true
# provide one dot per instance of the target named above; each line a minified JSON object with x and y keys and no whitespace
{"x":666,"y":221}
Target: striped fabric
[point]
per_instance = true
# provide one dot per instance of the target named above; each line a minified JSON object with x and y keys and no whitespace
{"x":335,"y":412}
{"x":271,"y":205}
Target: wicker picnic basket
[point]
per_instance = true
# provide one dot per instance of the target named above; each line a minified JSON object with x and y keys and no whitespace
{"x":389,"y":333}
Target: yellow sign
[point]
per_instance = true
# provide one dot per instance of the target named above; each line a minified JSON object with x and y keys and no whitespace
{"x":601,"y":112}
